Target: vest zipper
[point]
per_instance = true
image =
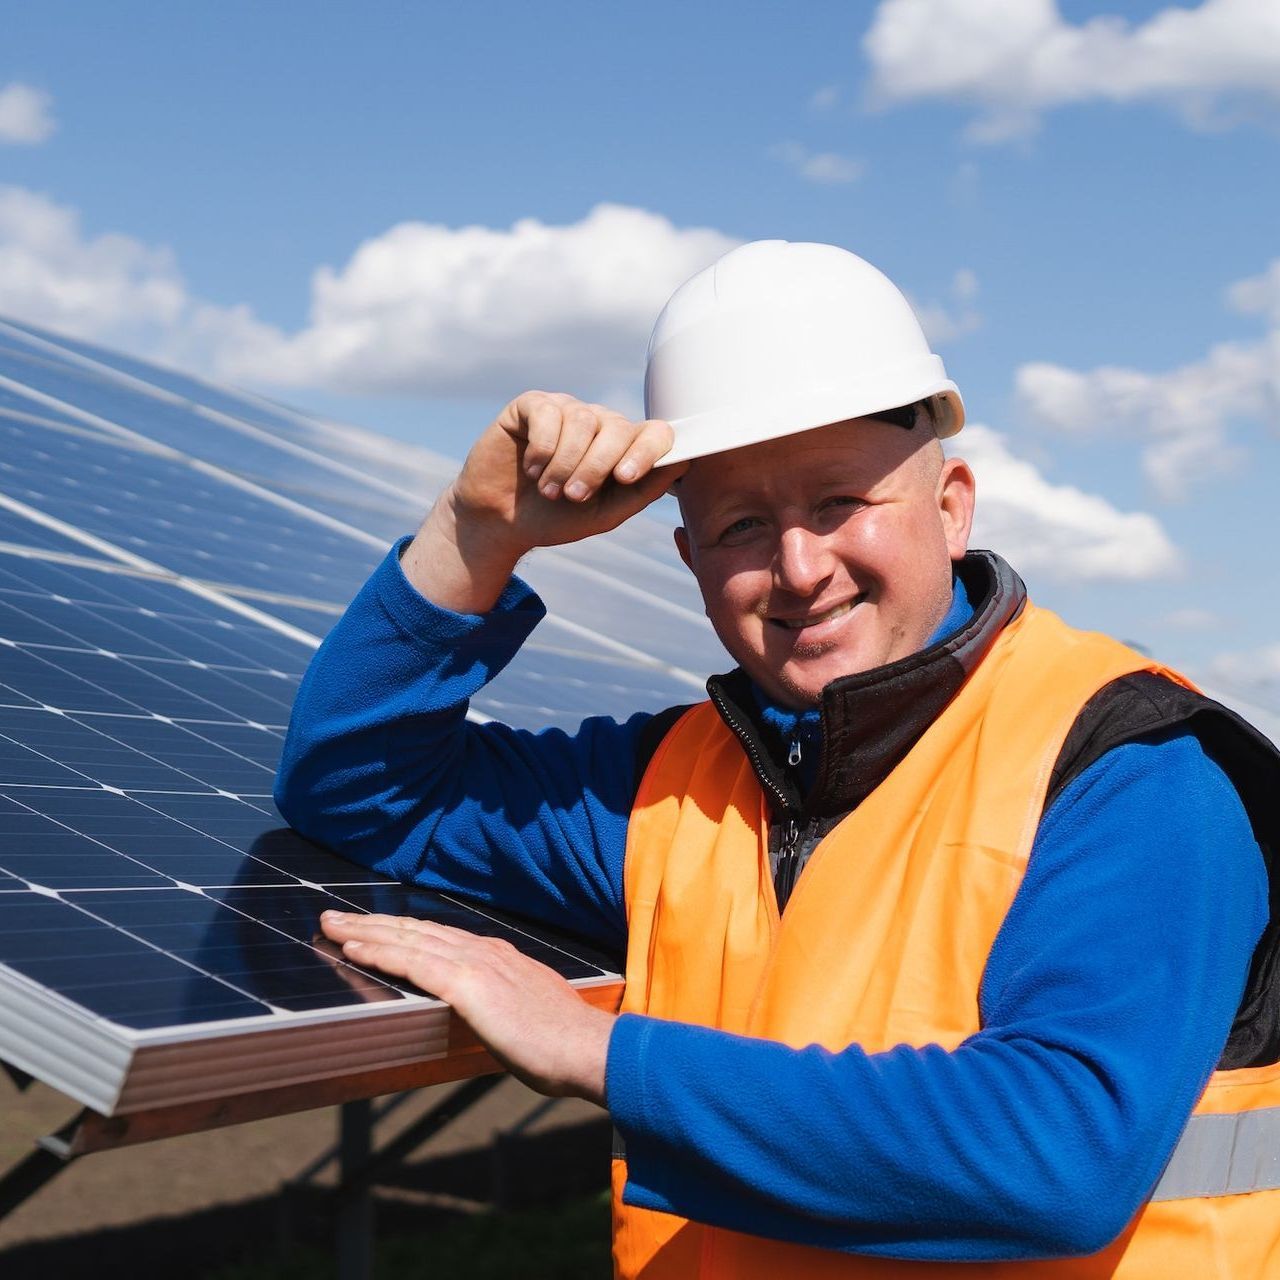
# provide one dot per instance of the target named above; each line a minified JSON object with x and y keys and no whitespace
{"x":785,"y":877}
{"x":743,"y":734}
{"x":784,"y":873}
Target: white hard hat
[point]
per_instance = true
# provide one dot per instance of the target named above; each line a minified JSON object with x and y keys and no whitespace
{"x":776,"y":338}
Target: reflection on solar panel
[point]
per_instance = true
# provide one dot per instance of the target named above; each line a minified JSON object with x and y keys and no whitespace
{"x":170,"y":554}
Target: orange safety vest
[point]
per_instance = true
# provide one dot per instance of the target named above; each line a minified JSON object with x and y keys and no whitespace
{"x":884,"y":943}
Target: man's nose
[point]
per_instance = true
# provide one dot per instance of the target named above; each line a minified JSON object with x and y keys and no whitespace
{"x":802,"y":561}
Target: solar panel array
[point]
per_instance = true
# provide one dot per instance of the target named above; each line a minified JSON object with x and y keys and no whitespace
{"x":170,"y":555}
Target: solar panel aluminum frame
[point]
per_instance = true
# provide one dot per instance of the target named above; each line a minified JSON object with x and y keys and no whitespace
{"x":117,"y":1071}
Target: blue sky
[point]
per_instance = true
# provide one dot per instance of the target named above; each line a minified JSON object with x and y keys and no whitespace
{"x":385,"y":212}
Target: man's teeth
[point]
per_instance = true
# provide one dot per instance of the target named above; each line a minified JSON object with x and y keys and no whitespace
{"x":799,"y":624}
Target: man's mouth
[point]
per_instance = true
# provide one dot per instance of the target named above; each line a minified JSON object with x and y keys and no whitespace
{"x":814,"y":619}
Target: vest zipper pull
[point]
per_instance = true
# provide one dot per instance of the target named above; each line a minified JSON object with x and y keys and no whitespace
{"x":793,"y":755}
{"x":784,"y":877}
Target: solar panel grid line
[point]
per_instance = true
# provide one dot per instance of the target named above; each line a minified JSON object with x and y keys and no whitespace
{"x":25,"y":743}
{"x":638,"y":656}
{"x":91,"y":540}
{"x":83,"y":666}
{"x":111,"y":429}
{"x":202,"y":410}
{"x":159,"y":652}
{"x":81,"y":766}
{"x":75,"y":560}
{"x":163,"y":576}
{"x":212,"y":414}
{"x":614,"y":583}
{"x":206,"y":592}
{"x":192,"y":585}
{"x":83,"y":904}
{"x":52,"y":424}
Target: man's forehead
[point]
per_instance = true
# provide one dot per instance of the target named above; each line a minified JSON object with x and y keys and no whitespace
{"x":861,"y":451}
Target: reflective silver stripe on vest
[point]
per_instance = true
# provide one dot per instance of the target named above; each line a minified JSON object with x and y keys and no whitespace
{"x":1224,"y":1156}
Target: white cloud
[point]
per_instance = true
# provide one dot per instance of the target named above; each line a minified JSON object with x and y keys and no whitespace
{"x":1192,"y":619}
{"x":1012,"y":60}
{"x":944,"y":322}
{"x":112,"y":288}
{"x":828,"y":168}
{"x":826,"y":98}
{"x":1259,"y":295}
{"x":1055,"y":529}
{"x":1253,"y":673}
{"x":433,"y":310}
{"x":51,"y":273}
{"x":421,"y":309}
{"x":26,"y":116}
{"x":1184,"y":415}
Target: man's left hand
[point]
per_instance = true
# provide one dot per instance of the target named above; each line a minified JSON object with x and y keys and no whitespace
{"x":528,"y":1016}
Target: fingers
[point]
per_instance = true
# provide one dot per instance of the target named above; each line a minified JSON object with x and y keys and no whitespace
{"x":364,"y":937}
{"x":582,"y":428}
{"x":342,"y":926}
{"x":652,"y":440}
{"x":540,"y":414}
{"x":572,"y":448}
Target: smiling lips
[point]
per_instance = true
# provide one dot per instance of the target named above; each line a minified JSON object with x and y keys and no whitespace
{"x":813,"y":620}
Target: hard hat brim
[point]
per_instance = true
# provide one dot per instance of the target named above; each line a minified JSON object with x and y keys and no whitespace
{"x":720,"y":432}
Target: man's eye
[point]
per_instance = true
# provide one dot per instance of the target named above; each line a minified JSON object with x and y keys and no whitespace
{"x":843,"y":503}
{"x":739,"y":527}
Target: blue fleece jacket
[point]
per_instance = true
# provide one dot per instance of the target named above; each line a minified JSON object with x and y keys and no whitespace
{"x":1105,"y":1003}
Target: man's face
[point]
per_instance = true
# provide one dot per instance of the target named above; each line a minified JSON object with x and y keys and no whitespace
{"x":825,"y":553}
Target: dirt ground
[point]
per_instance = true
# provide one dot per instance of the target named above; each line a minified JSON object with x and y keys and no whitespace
{"x":181,"y":1206}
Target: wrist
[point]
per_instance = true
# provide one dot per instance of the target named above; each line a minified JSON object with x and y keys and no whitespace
{"x":459,"y":561}
{"x":585,"y":1073}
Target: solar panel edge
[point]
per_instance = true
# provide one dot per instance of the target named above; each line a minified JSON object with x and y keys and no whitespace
{"x":62,"y":1044}
{"x":115,"y":1070}
{"x":203,"y":1064}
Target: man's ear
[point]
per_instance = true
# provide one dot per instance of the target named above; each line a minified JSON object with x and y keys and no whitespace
{"x":682,"y":546}
{"x":956,"y":493}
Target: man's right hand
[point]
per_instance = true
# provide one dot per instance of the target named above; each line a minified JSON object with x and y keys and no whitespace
{"x":549,"y":470}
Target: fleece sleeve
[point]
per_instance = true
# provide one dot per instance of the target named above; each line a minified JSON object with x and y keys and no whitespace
{"x":382,"y":765}
{"x":1106,"y":1003}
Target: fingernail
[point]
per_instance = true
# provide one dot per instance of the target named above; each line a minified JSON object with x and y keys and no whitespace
{"x":332,"y":915}
{"x":627,"y":470}
{"x":551,"y":489}
{"x":534,"y":470}
{"x":576,"y":490}
{"x":353,"y":946}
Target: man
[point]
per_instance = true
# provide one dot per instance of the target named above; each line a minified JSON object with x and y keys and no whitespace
{"x":938,"y":916}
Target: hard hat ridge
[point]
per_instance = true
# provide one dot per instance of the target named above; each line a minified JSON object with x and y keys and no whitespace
{"x":778,"y":337}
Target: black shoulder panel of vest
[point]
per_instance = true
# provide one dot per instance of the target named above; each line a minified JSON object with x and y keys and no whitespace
{"x":1136,"y":706}
{"x":652,"y":734}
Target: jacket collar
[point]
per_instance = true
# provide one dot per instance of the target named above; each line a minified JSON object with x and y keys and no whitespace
{"x":872,"y":719}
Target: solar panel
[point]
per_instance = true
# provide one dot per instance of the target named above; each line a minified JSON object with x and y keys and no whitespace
{"x":170,"y":555}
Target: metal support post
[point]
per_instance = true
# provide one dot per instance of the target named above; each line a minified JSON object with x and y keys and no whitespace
{"x":355,"y":1203}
